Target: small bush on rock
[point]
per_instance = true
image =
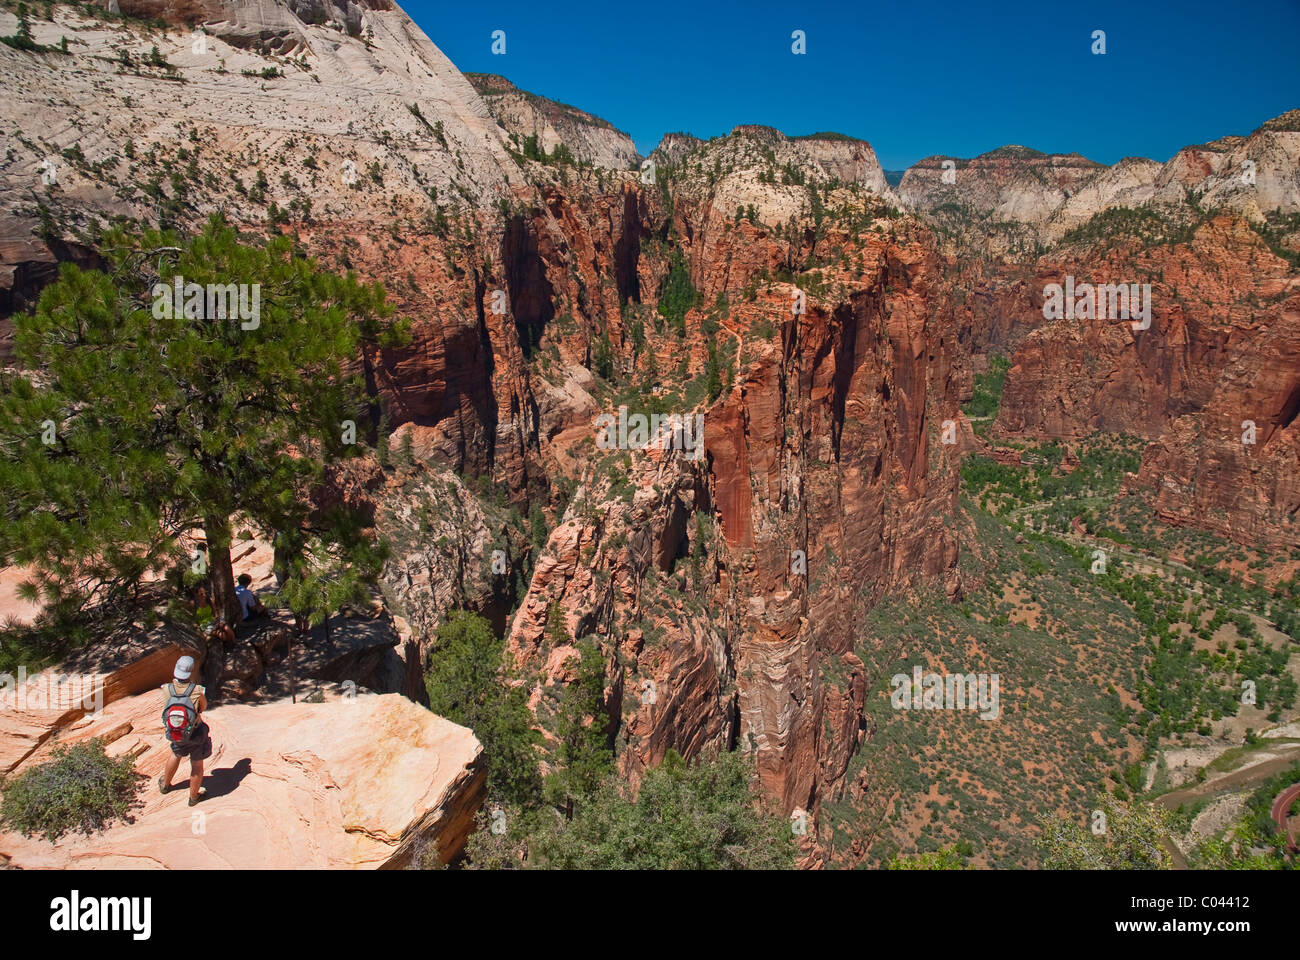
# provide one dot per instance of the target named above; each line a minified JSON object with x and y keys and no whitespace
{"x":81,"y":788}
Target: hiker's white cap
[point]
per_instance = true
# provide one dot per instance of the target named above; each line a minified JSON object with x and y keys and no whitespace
{"x":184,"y":667}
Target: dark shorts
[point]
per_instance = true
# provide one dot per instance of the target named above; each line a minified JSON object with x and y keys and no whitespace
{"x":199,"y":746}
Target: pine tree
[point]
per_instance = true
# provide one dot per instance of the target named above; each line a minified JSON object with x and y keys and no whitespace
{"x":22,"y":37}
{"x":381,"y":439}
{"x":678,"y":294}
{"x":714,"y":374}
{"x":468,"y":683}
{"x":582,"y":725}
{"x":603,"y":360}
{"x":135,"y":424}
{"x":638,"y":338}
{"x":406,"y":448}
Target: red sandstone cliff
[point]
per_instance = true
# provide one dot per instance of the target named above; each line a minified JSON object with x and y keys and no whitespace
{"x":1221,"y":350}
{"x":722,"y":592}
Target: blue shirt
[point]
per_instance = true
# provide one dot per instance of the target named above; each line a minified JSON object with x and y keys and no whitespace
{"x":247,"y":599}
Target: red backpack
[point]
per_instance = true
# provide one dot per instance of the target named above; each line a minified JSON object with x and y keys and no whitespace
{"x":179,"y":716}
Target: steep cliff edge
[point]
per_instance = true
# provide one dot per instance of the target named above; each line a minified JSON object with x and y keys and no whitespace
{"x":1213,"y":233}
{"x":722,"y":591}
{"x":289,"y":785}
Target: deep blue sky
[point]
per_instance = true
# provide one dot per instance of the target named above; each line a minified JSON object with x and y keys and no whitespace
{"x":914,"y":77}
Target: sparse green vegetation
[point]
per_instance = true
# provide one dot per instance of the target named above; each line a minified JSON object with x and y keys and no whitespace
{"x":1147,"y":225}
{"x":468,"y":683}
{"x":988,"y":389}
{"x":80,"y":788}
{"x":678,"y":294}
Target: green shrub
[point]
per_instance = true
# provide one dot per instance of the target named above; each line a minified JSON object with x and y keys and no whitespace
{"x":81,"y":788}
{"x":678,"y":294}
{"x":948,"y":858}
{"x":699,"y":816}
{"x":468,"y":683}
{"x":987,"y":391}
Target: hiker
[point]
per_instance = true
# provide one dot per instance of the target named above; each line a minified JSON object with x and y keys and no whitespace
{"x":210,"y":620}
{"x":183,"y":726}
{"x":248,"y":601}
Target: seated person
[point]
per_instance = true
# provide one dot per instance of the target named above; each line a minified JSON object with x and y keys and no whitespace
{"x":248,"y":601}
{"x":212,"y":623}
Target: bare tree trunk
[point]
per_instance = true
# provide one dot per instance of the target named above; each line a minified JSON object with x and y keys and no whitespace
{"x":221,"y":575}
{"x":221,"y":581}
{"x":214,"y":664}
{"x":279,"y":562}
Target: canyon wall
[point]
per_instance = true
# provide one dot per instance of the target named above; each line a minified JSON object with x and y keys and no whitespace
{"x":831,"y":335}
{"x":1213,"y":232}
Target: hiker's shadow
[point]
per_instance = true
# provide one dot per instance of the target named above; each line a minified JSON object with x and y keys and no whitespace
{"x":224,"y":780}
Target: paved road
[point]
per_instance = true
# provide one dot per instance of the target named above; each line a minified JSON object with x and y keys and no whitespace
{"x":1280,"y":807}
{"x":1235,"y":780}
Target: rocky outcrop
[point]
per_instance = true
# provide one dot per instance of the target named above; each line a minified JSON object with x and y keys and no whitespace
{"x":1074,"y":376}
{"x":1049,"y":195}
{"x":289,"y":786}
{"x":340,"y":124}
{"x":821,"y":462}
{"x":1015,"y":221}
{"x":40,"y":705}
{"x":522,"y":114}
{"x":721,"y":594}
{"x":450,"y":551}
{"x":304,"y":784}
{"x":672,"y":147}
{"x":1130,"y":183}
{"x":631,"y":566}
{"x":762,"y":168}
{"x":1251,"y":176}
{"x":1011,"y":183}
{"x":1220,"y":351}
{"x":261,"y":24}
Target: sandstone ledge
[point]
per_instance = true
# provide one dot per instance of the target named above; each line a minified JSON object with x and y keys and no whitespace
{"x":348,"y":783}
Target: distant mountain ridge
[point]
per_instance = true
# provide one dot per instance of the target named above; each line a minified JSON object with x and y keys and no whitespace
{"x":1054,"y":193}
{"x":522,"y":114}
